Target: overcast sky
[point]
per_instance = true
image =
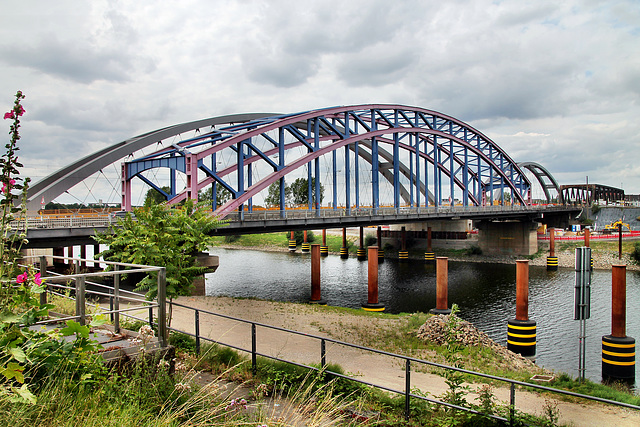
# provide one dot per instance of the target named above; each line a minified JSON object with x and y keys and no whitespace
{"x":556,"y":83}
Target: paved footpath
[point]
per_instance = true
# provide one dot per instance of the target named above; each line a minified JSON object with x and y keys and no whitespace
{"x":374,"y":368}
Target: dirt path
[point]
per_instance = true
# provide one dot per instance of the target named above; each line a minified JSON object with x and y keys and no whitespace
{"x":374,"y":368}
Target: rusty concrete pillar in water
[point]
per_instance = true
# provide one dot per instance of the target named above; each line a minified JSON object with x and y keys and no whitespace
{"x":618,"y":350}
{"x":521,"y":332}
{"x":373,"y":303}
{"x":324,"y":249}
{"x":552,"y":259}
{"x":306,"y":247}
{"x":442,"y":286}
{"x":429,"y":256}
{"x":361,"y":254}
{"x":344,"y":250}
{"x":380,"y":250}
{"x":403,"y":254}
{"x":292,"y":242}
{"x":316,"y":294}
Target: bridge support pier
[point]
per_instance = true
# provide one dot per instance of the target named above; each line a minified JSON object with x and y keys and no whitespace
{"x":306,"y":247}
{"x":507,"y":237}
{"x":552,"y":259}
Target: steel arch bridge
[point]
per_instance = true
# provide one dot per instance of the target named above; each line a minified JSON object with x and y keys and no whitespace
{"x":421,"y":157}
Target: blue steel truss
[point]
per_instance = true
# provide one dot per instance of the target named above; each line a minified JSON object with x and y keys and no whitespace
{"x":428,"y":158}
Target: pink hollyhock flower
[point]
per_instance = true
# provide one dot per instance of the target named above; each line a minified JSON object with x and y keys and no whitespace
{"x":21,"y":111}
{"x":8,"y":115}
{"x":37,"y":280}
{"x":5,"y":188}
{"x":22,"y":277}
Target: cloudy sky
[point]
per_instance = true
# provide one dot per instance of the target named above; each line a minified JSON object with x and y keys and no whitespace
{"x":553,"y":82}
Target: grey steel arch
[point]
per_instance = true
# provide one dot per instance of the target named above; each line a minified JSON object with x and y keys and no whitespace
{"x":541,"y":173}
{"x":60,"y":181}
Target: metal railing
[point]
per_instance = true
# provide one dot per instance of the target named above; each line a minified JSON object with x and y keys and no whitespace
{"x":59,"y":284}
{"x":408,"y":363}
{"x":100,"y":221}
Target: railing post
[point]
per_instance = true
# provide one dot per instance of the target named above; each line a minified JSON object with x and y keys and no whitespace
{"x":43,"y":273}
{"x":323,"y":353}
{"x":254,"y":364}
{"x":512,"y":404}
{"x":197,"y":320}
{"x":116,"y":299}
{"x":162,"y":307}
{"x":80,"y":296}
{"x":407,"y":389}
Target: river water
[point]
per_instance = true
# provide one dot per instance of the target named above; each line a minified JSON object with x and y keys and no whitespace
{"x":484,"y":292}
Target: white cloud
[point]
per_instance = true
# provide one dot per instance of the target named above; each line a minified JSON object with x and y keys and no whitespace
{"x":555,"y":83}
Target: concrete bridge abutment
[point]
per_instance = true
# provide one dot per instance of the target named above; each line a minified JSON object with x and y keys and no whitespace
{"x":507,"y":237}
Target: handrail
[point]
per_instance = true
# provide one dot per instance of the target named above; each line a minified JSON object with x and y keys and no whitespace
{"x":80,"y":290}
{"x":407,"y":359}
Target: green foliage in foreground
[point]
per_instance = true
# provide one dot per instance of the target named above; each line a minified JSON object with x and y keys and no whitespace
{"x":162,"y":235}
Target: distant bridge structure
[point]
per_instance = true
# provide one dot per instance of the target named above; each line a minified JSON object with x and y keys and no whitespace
{"x":366,"y":156}
{"x":586,"y":194}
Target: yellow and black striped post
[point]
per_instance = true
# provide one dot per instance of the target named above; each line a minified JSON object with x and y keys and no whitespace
{"x":521,"y":337}
{"x":292,"y":243}
{"x":552,"y":259}
{"x":521,"y":332}
{"x":306,"y":246}
{"x":362,"y":252}
{"x":324,"y":249}
{"x":429,"y":257}
{"x":380,"y":250}
{"x":618,"y":350}
{"x":403,"y":256}
{"x":344,"y":250}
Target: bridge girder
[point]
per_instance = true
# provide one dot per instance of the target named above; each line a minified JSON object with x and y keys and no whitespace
{"x":426,"y":156}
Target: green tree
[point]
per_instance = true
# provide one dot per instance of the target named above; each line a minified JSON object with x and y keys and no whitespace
{"x":300,"y":191}
{"x":154,"y":197}
{"x":222,"y":195}
{"x":273,"y":196}
{"x":162,"y":235}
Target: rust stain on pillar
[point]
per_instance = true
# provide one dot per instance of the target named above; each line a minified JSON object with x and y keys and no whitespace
{"x":587,"y":237}
{"x":324,"y":237}
{"x":372,"y":296}
{"x":552,"y":242}
{"x":522,"y":289}
{"x":442,"y":283}
{"x":305,"y":236}
{"x":344,"y":237}
{"x":619,"y":301}
{"x":315,"y":273}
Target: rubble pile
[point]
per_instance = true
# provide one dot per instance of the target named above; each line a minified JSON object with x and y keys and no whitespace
{"x":434,"y":330}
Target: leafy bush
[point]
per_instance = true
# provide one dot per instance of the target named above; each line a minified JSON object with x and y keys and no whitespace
{"x":635,"y":253}
{"x":370,"y":240}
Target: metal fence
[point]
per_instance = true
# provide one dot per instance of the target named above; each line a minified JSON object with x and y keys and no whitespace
{"x":60,"y":284}
{"x":409,"y":364}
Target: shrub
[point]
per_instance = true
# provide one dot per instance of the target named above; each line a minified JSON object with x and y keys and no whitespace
{"x":635,"y":253}
{"x":232,"y":238}
{"x":370,"y":240}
